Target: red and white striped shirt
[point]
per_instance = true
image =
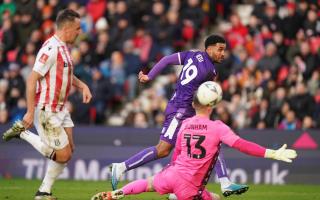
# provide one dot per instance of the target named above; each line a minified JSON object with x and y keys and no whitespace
{"x":54,"y":63}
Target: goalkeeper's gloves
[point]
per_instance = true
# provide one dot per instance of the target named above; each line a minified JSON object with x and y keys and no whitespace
{"x":282,"y":154}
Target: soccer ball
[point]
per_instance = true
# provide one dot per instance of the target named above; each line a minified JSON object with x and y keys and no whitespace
{"x":209,"y":93}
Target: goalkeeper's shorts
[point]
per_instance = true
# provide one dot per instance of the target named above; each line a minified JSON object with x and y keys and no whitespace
{"x":168,"y":181}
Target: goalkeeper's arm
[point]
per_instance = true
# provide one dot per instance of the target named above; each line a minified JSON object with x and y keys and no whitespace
{"x":254,"y":149}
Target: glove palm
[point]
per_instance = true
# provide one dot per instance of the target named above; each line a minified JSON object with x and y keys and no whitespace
{"x":282,"y":154}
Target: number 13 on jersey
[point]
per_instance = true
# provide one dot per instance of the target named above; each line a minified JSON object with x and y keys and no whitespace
{"x":197,"y":145}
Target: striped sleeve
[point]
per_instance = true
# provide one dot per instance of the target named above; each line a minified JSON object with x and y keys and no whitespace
{"x":45,"y":59}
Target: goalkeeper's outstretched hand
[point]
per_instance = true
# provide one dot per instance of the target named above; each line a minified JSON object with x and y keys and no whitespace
{"x":282,"y":154}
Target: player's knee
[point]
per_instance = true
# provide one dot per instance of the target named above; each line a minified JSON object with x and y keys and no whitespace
{"x":64,"y":158}
{"x":163,"y":152}
{"x":64,"y":155}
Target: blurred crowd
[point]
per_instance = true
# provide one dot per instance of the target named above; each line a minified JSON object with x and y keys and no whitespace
{"x":270,"y":75}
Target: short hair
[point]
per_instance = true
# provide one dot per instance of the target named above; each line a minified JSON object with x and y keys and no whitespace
{"x":195,"y":98}
{"x":66,"y":15}
{"x":213,"y":39}
{"x":196,"y":102}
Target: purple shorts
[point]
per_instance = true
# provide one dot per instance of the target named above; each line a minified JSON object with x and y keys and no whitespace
{"x":172,"y":123}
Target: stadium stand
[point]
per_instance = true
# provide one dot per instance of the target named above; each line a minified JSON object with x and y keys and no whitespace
{"x":270,"y":76}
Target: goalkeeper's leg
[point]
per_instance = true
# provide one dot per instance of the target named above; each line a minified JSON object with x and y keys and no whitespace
{"x":147,"y":155}
{"x":135,"y":187}
{"x":162,"y":149}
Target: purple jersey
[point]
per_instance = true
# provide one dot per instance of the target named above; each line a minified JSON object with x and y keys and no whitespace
{"x":197,"y":68}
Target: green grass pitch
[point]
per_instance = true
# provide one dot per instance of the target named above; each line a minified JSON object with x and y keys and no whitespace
{"x":20,"y":189}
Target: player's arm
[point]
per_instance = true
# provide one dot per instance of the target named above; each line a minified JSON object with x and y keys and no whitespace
{"x":228,"y":137}
{"x":44,"y":61}
{"x":254,"y":149}
{"x":173,"y":59}
{"x":30,"y":95}
{"x":80,"y":85}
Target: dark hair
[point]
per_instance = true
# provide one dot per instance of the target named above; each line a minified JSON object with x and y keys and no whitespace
{"x":66,"y":15}
{"x":213,"y":39}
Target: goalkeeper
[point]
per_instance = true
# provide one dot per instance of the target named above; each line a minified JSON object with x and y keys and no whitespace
{"x":196,"y":152}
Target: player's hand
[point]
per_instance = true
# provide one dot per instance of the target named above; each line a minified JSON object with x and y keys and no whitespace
{"x":86,"y":94}
{"x":143,"y":78}
{"x":28,"y":120}
{"x":283,"y":154}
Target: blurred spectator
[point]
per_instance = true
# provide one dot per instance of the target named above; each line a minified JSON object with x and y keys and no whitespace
{"x":117,"y":73}
{"x":8,"y":6}
{"x":24,"y":27}
{"x":140,"y":120}
{"x":16,"y":87}
{"x":56,"y":7}
{"x":311,"y":24}
{"x":223,"y":114}
{"x":292,"y":22}
{"x":263,"y":117}
{"x":80,"y":112}
{"x":270,"y":18}
{"x":36,"y":38}
{"x":307,"y":123}
{"x":4,"y":115}
{"x":314,"y":83}
{"x":236,"y":35}
{"x":86,"y":21}
{"x":142,"y":41}
{"x":86,"y":53}
{"x":302,"y":103}
{"x":278,"y":40}
{"x":8,"y":36}
{"x":96,"y":8}
{"x":103,"y":49}
{"x":81,"y":70}
{"x":306,"y":61}
{"x":316,"y":114}
{"x":102,"y":90}
{"x":29,"y":5}
{"x":26,"y":70}
{"x":272,"y":58}
{"x":18,"y":112}
{"x":192,"y":17}
{"x":132,"y":68}
{"x":121,"y":32}
{"x":290,"y":122}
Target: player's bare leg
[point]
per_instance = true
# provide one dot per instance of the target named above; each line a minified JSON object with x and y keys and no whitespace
{"x":58,"y":158}
{"x":162,"y":149}
{"x":55,"y":168}
{"x":135,"y":187}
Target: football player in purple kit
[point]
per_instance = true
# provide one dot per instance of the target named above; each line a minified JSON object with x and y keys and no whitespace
{"x":198,"y":67}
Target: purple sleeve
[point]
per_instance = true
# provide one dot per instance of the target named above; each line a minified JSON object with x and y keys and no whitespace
{"x":165,"y":61}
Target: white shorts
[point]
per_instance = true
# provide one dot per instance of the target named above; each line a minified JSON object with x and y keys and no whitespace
{"x":50,"y":127}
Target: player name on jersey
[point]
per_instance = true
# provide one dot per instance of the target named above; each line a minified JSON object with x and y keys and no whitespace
{"x":197,"y":126}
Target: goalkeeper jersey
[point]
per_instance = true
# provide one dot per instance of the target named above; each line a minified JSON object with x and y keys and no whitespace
{"x":197,"y":147}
